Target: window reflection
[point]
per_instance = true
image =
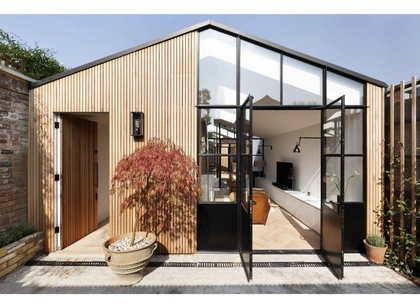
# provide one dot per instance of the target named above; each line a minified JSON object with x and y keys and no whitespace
{"x":217,"y":74}
{"x":218,"y":143}
{"x":338,"y":86}
{"x":302,"y":83}
{"x":260,"y":74}
{"x":354,"y":131}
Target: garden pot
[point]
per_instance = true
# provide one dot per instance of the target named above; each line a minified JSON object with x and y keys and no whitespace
{"x":375,"y":254}
{"x":128,"y":266}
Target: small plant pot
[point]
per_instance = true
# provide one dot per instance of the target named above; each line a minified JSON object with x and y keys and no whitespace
{"x":128,"y":266}
{"x":375,"y":254}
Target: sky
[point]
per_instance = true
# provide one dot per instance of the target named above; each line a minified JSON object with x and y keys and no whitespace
{"x":372,"y":42}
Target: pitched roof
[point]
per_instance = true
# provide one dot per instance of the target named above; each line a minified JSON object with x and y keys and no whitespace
{"x":220,"y":27}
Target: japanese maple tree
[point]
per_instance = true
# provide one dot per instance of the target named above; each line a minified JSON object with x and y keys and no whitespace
{"x":155,"y":176}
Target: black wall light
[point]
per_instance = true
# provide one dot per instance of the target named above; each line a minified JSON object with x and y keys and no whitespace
{"x":296,"y":149}
{"x":137,"y":124}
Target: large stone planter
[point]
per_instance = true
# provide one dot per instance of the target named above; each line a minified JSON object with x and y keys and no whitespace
{"x":16,"y":254}
{"x":128,"y":266}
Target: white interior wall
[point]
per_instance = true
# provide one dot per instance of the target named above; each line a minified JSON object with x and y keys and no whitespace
{"x":306,"y":164}
{"x":103,"y":172}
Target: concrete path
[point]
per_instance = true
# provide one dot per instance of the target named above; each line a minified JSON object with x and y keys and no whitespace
{"x":61,"y":273}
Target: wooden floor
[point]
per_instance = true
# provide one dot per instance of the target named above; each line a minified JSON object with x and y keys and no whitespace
{"x":283,"y":232}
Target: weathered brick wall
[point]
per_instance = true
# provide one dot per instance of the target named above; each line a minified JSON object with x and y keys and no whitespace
{"x":14,"y":97}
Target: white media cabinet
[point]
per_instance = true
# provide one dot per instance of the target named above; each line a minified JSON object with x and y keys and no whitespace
{"x":303,"y":207}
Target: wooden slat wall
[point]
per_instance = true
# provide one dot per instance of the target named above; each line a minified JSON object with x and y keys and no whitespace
{"x":398,"y":144}
{"x":391,"y":162}
{"x":161,"y":81}
{"x":413,"y":163}
{"x":375,"y":150}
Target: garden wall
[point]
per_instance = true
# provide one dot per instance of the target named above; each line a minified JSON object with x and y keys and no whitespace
{"x":18,"y":253}
{"x":14,"y":98}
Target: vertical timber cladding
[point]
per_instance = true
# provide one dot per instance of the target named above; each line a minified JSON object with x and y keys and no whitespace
{"x":161,"y":81}
{"x":375,"y":153}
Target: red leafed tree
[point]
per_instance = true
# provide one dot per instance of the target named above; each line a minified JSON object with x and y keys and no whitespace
{"x":155,"y":176}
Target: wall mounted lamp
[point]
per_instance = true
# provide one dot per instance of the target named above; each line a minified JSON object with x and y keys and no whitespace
{"x":260,"y":146}
{"x":136,"y":121}
{"x":266,"y":145}
{"x":296,"y":149}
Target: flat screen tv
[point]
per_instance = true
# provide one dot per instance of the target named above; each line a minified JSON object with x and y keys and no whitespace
{"x":284,"y":175}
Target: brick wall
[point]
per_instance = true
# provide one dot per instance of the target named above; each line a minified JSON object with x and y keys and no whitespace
{"x":14,"y":97}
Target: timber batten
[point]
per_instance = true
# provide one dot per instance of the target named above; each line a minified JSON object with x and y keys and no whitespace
{"x":375,"y":153}
{"x":161,"y":81}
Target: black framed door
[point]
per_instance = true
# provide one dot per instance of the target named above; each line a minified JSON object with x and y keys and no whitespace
{"x":332,"y":179}
{"x":244,"y":191}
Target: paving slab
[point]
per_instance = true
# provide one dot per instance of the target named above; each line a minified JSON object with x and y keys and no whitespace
{"x":207,"y":274}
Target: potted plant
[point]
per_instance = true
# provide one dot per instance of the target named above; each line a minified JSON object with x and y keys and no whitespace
{"x":375,"y":243}
{"x":149,"y":181}
{"x":375,"y":248}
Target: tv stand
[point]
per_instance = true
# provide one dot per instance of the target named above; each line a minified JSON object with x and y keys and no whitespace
{"x":281,"y":186}
{"x":304,"y":208}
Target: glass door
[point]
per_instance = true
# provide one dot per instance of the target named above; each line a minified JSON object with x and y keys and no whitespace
{"x":244,"y":194}
{"x":332,"y":192}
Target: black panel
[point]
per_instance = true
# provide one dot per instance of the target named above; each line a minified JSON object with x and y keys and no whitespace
{"x":354,"y":226}
{"x":217,"y":227}
{"x":332,"y":238}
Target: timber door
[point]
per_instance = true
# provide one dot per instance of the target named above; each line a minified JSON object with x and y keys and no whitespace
{"x":244,"y":193}
{"x":78,"y":179}
{"x":332,"y":190}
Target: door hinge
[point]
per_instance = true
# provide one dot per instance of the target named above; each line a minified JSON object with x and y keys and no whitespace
{"x":96,"y":196}
{"x":57,"y":230}
{"x":56,"y":177}
{"x":56,"y":124}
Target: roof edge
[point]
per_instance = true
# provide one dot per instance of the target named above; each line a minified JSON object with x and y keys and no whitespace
{"x":119,"y":54}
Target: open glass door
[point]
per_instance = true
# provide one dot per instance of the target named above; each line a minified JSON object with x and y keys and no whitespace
{"x":244,"y":191}
{"x":332,"y":192}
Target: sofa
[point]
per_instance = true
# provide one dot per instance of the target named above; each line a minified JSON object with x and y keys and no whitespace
{"x":261,"y":208}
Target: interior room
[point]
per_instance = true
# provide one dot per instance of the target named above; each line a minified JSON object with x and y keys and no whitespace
{"x":293,"y":218}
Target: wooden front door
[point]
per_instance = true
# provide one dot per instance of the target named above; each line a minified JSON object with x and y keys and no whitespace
{"x":79,"y":210}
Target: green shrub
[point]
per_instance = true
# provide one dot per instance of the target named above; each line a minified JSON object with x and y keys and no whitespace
{"x":376,"y":240}
{"x":15,"y":234}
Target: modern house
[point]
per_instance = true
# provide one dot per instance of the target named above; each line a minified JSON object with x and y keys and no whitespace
{"x":253,"y":113}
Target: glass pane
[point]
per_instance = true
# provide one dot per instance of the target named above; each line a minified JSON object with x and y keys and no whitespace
{"x":245,"y":178}
{"x":217,"y":68}
{"x":338,"y":86}
{"x":216,"y":124}
{"x":218,"y":178}
{"x":302,"y":83}
{"x":260,"y":74}
{"x":353,"y":187}
{"x":332,"y":131}
{"x":332,"y":179}
{"x":354,"y":131}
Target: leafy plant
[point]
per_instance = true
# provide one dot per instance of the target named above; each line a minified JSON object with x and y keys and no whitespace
{"x":155,"y":176}
{"x":375,"y":240}
{"x":15,"y":234}
{"x":405,"y":245}
{"x":34,"y":62}
{"x":334,"y":177}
